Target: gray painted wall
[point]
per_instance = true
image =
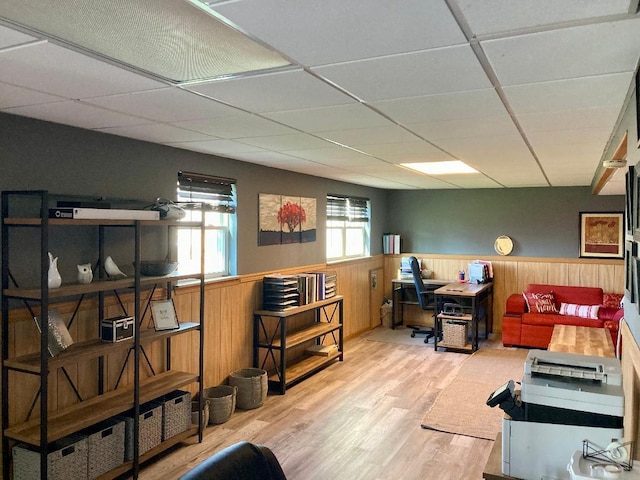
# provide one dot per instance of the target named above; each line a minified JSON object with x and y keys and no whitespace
{"x":542,"y":222}
{"x":41,"y":155}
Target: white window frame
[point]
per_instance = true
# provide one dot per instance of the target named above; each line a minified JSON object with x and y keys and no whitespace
{"x":348,"y":214}
{"x":218,"y":197}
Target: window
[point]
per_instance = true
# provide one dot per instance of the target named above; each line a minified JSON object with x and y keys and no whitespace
{"x":215,"y":197}
{"x":347,"y":227}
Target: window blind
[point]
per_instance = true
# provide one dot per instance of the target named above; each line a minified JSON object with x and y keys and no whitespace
{"x":352,"y":209}
{"x":217,"y":192}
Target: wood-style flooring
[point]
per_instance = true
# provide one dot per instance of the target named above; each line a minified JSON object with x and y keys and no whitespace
{"x":355,"y":420}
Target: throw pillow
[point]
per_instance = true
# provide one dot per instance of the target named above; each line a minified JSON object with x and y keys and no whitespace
{"x":582,"y":311}
{"x":540,"y":302}
{"x":612,"y":299}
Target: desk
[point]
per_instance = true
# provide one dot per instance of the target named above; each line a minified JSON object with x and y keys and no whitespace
{"x":476,"y":302}
{"x":582,"y":340}
{"x":404,"y":293}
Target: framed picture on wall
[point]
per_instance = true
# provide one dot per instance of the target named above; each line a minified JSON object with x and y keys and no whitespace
{"x":630,"y":197}
{"x":602,"y":234}
{"x":631,"y":250}
{"x":638,"y":106}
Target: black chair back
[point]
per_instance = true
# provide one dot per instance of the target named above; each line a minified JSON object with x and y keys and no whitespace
{"x":421,"y":290}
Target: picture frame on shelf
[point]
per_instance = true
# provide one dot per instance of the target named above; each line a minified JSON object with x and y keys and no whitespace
{"x":602,"y":235}
{"x":164,"y":315}
{"x":58,"y":336}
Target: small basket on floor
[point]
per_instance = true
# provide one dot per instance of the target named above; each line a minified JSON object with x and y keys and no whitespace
{"x":455,"y":332}
{"x":222,"y":403}
{"x":252,"y":386}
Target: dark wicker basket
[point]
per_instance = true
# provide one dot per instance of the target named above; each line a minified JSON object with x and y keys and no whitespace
{"x":222,"y":402}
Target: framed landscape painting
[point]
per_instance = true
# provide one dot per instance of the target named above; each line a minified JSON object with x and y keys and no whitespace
{"x":602,"y":234}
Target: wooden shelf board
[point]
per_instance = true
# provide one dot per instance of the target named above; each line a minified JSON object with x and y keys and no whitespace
{"x":464,"y":318}
{"x":467,"y":346}
{"x":128,"y":466}
{"x":92,"y":349}
{"x":309,"y":333}
{"x":95,"y":286}
{"x":304,"y":366}
{"x":36,"y":222}
{"x":296,"y":310}
{"x":84,"y":414}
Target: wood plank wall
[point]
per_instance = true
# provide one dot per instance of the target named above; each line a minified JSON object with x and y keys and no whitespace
{"x":230,"y":304}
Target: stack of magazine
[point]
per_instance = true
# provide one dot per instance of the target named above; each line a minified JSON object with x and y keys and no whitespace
{"x":59,"y":338}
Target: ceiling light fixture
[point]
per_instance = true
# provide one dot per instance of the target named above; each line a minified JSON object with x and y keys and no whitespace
{"x":175,"y":41}
{"x":451,"y":167}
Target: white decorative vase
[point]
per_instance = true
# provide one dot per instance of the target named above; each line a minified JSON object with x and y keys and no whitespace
{"x":85,"y":275}
{"x":53,"y":278}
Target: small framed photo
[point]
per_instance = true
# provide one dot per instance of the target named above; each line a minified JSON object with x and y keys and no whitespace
{"x":602,"y":234}
{"x":164,"y":315}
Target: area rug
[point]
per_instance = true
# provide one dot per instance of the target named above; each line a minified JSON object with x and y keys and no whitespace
{"x":461,"y":407}
{"x":400,"y":335}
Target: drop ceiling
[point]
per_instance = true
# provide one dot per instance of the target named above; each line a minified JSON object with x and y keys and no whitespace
{"x":527,"y":93}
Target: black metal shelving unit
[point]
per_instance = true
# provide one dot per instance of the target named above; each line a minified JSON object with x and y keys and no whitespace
{"x":109,"y":401}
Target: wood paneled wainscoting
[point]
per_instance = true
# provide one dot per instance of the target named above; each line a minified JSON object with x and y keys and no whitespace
{"x":229,"y":307}
{"x":513,"y":274}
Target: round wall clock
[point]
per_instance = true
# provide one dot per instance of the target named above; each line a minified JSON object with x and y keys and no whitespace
{"x":503,"y":245}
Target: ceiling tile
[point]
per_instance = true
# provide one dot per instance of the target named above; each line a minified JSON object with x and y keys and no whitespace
{"x":563,"y":95}
{"x":437,"y":108}
{"x":274,"y":92}
{"x":76,"y":114}
{"x":10,"y":37}
{"x":56,"y":70}
{"x":330,"y":118}
{"x":318,"y":33}
{"x":240,"y":125}
{"x":602,"y":117}
{"x":442,"y":70}
{"x":217,"y":147}
{"x":405,"y":152}
{"x":282,"y":143}
{"x":157,"y":133}
{"x":565,"y":53}
{"x":168,"y":104}
{"x":465,"y":127}
{"x":367,"y":136}
{"x":493,"y":16}
{"x":14,"y":96}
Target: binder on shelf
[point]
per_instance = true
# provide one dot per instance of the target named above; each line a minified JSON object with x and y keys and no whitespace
{"x":103,"y":214}
{"x":391,"y":243}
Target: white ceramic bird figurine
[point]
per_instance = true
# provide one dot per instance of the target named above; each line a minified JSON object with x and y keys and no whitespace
{"x":85,"y":275}
{"x":111,"y":268}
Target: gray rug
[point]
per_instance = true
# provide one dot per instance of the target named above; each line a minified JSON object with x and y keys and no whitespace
{"x":461,"y":407}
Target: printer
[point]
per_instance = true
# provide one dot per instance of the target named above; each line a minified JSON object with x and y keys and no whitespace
{"x":564,"y":399}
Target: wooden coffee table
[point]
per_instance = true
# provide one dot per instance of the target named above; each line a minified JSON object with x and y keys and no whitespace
{"x":582,"y":340}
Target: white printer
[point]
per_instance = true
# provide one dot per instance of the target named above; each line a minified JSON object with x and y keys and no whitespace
{"x":565,"y":398}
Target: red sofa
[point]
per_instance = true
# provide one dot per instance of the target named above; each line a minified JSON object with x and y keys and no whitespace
{"x":523,"y":328}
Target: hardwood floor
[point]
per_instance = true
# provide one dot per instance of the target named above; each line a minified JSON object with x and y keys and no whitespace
{"x":355,"y":420}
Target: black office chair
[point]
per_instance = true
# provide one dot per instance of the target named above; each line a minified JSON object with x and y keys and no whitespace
{"x":425,"y":299}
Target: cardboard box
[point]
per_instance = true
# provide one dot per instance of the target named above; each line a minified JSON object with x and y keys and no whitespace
{"x":117,"y":329}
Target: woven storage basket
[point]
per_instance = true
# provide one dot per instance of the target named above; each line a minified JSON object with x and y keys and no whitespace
{"x":252,"y":386}
{"x":455,"y":333}
{"x":222,"y":402}
{"x":106,"y":446}
{"x":67,"y":459}
{"x":205,"y":413}
{"x":150,"y":433}
{"x":176,"y":413}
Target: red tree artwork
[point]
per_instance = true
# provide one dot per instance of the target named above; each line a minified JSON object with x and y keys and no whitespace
{"x":291,"y":215}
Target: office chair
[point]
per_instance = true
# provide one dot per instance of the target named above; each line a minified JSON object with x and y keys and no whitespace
{"x":424,"y":300}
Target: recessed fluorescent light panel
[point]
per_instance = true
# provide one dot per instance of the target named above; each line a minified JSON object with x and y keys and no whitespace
{"x":171,"y":39}
{"x":441,"y":168}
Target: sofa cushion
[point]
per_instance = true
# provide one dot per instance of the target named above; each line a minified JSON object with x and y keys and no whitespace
{"x":610,"y":313}
{"x":545,"y":319}
{"x":540,"y":302}
{"x":612,"y":299}
{"x":570,"y":294}
{"x":583,"y":311}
